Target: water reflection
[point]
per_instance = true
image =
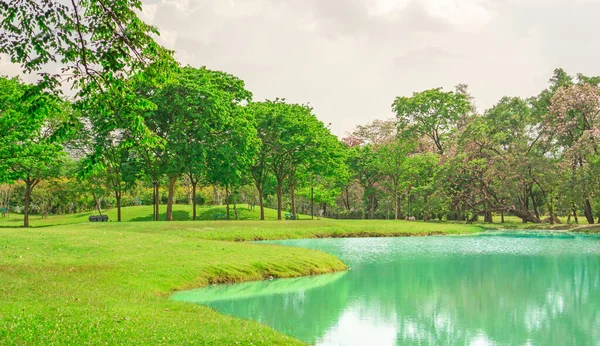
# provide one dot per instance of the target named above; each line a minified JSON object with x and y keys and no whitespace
{"x":481,"y":290}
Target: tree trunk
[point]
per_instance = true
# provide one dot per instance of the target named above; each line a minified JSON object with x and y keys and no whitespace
{"x":118,"y":199}
{"x":324,"y":209}
{"x":194,"y":201}
{"x":535,"y":207}
{"x":279,"y":198}
{"x":346,"y":198}
{"x":575,"y":214}
{"x":398,"y":207}
{"x":28,"y":189}
{"x":502,"y":216}
{"x":260,"y":202}
{"x":459,"y":213}
{"x":99,"y":205}
{"x":525,"y":216}
{"x":235,"y":212}
{"x":488,"y":217}
{"x":156,"y":200}
{"x":312,"y":203}
{"x":170,"y":198}
{"x":216,"y":192}
{"x":293,"y":198}
{"x":426,"y":216}
{"x":227,"y":201}
{"x":587,"y":209}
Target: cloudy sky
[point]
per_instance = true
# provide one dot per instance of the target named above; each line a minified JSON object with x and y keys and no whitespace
{"x":350,"y":58}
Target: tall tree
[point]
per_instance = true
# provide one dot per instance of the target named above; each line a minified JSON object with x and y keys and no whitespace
{"x":431,"y":113}
{"x":199,"y":117}
{"x":32,"y":130}
{"x":574,"y":122}
{"x":290,"y":135}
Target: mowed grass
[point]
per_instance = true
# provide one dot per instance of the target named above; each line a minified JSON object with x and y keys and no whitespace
{"x":109,"y":283}
{"x":145,"y":213}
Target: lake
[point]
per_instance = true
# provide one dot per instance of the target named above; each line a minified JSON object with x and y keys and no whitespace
{"x":496,"y":288}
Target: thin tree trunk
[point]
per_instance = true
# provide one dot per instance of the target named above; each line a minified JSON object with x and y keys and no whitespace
{"x":551,"y":211}
{"x":398,"y":206}
{"x":293,"y":198}
{"x":227,"y":200}
{"x":156,"y":200}
{"x":426,"y":200}
{"x":170,"y":198}
{"x":575,"y":215}
{"x":587,"y":209}
{"x":118,"y":198}
{"x":99,"y":205}
{"x":194,"y":201}
{"x":346,"y":198}
{"x":28,"y":189}
{"x":235,"y":212}
{"x":260,"y":202}
{"x":535,"y":207}
{"x":502,"y":216}
{"x":312,"y":203}
{"x":279,"y":198}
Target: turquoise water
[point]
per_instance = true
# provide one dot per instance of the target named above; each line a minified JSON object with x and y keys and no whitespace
{"x":490,"y":289}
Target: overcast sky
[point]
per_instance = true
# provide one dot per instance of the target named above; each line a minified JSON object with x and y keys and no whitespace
{"x":350,"y":58}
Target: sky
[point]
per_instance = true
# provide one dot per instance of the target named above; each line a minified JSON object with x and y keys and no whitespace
{"x":349,"y":59}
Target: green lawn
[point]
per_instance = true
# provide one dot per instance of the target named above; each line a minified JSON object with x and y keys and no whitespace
{"x":145,"y":213}
{"x":108,"y":283}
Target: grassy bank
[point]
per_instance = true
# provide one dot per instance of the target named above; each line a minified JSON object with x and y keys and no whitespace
{"x":108,"y":283}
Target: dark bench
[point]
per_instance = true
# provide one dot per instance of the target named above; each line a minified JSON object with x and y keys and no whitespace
{"x":290,"y":216}
{"x":98,"y":218}
{"x":220,"y":216}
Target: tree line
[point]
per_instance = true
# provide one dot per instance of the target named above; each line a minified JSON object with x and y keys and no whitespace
{"x":136,"y":123}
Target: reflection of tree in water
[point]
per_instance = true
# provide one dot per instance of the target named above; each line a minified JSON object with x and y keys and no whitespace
{"x":305,"y":315}
{"x":509,"y":299}
{"x":453,"y":298}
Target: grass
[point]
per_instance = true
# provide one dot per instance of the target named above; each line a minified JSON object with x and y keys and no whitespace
{"x":144,"y":213}
{"x":109,"y":283}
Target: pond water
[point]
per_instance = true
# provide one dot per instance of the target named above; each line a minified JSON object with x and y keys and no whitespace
{"x":488,"y":289}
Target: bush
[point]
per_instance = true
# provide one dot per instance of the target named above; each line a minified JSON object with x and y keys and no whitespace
{"x":351,"y":215}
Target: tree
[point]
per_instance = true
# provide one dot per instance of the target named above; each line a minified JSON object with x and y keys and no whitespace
{"x":392,"y":161}
{"x":365,"y":166}
{"x":32,"y":130}
{"x":199,"y":117}
{"x":94,"y":42}
{"x":290,"y":136}
{"x":99,"y":47}
{"x":574,"y":121}
{"x":431,"y":113}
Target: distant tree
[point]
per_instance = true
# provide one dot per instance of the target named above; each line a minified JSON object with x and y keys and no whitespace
{"x":290,"y":136}
{"x":432,"y":113}
{"x":393,"y":163}
{"x":364,"y":165}
{"x":574,"y":121}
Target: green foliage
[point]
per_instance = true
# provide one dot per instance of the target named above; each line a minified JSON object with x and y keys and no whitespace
{"x":432,"y":113}
{"x":93,"y":42}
